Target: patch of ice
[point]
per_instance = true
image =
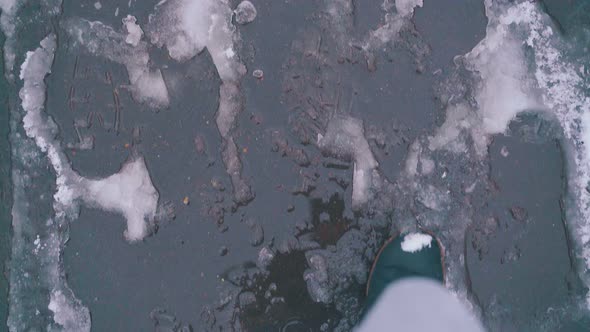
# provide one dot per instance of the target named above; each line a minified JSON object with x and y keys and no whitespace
{"x":414,"y":242}
{"x":147,"y":85}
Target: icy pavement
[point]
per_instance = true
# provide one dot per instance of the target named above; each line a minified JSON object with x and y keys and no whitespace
{"x":289,"y":140}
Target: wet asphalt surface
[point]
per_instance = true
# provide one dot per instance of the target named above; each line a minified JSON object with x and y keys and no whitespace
{"x":520,"y":260}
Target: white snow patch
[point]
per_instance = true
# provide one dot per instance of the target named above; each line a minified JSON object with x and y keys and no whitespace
{"x":67,"y":314}
{"x":129,"y":192}
{"x":448,"y":136}
{"x":414,"y":242}
{"x":505,"y":89}
{"x":393,"y":22}
{"x":187,"y":27}
{"x":134,"y":32}
{"x":406,"y":7}
{"x":97,"y":5}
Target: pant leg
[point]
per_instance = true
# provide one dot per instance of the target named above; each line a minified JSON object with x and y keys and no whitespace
{"x":419,"y":305}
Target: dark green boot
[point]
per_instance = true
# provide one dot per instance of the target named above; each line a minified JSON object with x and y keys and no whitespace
{"x":408,"y":255}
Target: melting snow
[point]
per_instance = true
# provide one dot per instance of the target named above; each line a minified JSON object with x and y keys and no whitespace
{"x":414,"y":242}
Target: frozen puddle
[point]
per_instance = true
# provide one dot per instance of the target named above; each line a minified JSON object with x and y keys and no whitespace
{"x":129,"y":192}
